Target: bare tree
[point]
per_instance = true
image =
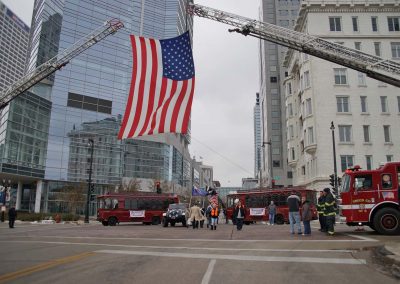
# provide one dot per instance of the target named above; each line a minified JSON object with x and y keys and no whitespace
{"x":132,"y":186}
{"x":74,"y":197}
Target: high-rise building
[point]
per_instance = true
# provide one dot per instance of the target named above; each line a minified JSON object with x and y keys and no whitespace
{"x":14,"y":35}
{"x":365,"y":112}
{"x":281,"y":13}
{"x":257,"y":137}
{"x":85,"y":102}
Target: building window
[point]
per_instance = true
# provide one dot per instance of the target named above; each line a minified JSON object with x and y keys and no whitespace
{"x":384,"y":106}
{"x":357,"y":45}
{"x":310,"y":131}
{"x":355,"y":23}
{"x":289,"y":89}
{"x":89,"y":103}
{"x":346,"y":162}
{"x":342,"y":104}
{"x":395,"y":49}
{"x":308,"y":107}
{"x":345,"y":133}
{"x":374,"y":23}
{"x":293,"y":153}
{"x":361,"y":79}
{"x":386,"y":132}
{"x":276,"y":163}
{"x":283,"y":12}
{"x":393,"y":23}
{"x":291,"y":135}
{"x":377,"y":46}
{"x":366,"y":133}
{"x":398,"y":103}
{"x":289,"y":174}
{"x":274,"y":79}
{"x":303,"y":170}
{"x":389,"y":158}
{"x":363,"y":104}
{"x":276,"y":126}
{"x":307,"y":79}
{"x":276,"y":151}
{"x":335,"y":24}
{"x":340,"y":76}
{"x":290,"y":110}
{"x":368,"y":160}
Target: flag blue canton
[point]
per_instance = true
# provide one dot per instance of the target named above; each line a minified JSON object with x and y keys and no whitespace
{"x":177,"y":58}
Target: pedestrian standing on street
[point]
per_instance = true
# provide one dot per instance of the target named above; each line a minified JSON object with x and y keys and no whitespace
{"x":214,"y":216}
{"x":320,"y":210}
{"x":208,"y":215}
{"x":272,"y":213}
{"x":329,"y":211}
{"x":294,"y":212}
{"x":306,"y":216}
{"x":12,"y":215}
{"x":195,"y":215}
{"x":238,"y":215}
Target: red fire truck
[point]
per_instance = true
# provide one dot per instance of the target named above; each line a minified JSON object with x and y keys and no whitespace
{"x":256,"y":203}
{"x":135,"y":207}
{"x":371,"y":197}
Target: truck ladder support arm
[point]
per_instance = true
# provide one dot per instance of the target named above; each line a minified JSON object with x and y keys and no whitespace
{"x":59,"y":61}
{"x":373,"y":66}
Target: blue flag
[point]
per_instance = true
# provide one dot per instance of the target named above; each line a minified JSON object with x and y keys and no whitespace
{"x":196,"y":191}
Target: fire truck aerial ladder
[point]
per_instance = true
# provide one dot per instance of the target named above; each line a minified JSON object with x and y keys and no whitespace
{"x":58,"y":61}
{"x":375,"y":67}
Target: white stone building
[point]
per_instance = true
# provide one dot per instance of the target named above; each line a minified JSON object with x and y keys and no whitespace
{"x":365,"y":112}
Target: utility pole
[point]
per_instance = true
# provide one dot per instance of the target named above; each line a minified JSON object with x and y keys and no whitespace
{"x":89,"y":190}
{"x":334,"y":157}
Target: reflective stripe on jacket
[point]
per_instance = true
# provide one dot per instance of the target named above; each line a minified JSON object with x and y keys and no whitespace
{"x":214,"y":212}
{"x":321,"y":205}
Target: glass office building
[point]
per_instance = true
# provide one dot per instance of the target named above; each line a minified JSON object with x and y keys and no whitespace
{"x":86,"y":99}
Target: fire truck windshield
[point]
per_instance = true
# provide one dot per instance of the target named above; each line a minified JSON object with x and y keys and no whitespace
{"x":345,"y":183}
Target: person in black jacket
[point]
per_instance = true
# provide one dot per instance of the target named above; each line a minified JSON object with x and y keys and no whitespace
{"x":329,"y":211}
{"x":12,"y":214}
{"x":321,"y":209}
{"x":294,"y":212}
{"x":238,"y":216}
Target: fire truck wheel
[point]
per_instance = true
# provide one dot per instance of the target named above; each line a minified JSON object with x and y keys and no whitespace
{"x":105,"y":223}
{"x":112,"y":221}
{"x":387,"y":221}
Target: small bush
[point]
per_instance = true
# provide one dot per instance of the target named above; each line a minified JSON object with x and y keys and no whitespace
{"x":31,"y":217}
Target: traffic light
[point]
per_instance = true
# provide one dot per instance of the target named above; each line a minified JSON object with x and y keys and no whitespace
{"x":92,"y":188}
{"x":158,"y":187}
{"x":332,"y":180}
{"x":339,"y":181}
{"x":92,"y":197}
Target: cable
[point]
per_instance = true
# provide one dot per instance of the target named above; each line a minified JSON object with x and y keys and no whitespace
{"x":219,"y":154}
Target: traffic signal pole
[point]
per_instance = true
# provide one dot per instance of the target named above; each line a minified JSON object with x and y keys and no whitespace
{"x":334,"y":158}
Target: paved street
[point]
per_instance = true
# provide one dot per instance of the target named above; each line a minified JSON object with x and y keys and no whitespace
{"x":134,"y":253}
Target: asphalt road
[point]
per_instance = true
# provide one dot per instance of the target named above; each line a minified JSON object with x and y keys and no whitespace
{"x":133,"y":253}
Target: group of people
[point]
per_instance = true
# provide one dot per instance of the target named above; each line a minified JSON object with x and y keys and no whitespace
{"x":326,"y":212}
{"x":199,"y":215}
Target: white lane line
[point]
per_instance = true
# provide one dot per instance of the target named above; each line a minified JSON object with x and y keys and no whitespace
{"x":293,"y":240}
{"x":207,"y":275}
{"x":362,"y":238}
{"x":184,"y":248}
{"x":240,"y":257}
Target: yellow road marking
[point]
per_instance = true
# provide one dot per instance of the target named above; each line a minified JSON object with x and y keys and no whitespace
{"x":43,"y":266}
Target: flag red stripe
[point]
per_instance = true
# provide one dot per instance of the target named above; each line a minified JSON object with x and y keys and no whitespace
{"x":138,"y":112}
{"x":133,"y":82}
{"x":154,"y":71}
{"x":166,"y":105}
{"x":185,"y":122}
{"x":160,"y":102}
{"x":178,"y":105}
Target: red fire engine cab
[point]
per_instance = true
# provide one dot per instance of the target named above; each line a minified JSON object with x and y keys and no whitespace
{"x":371,"y":197}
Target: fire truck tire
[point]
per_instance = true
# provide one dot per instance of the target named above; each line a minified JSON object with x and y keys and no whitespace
{"x":155,"y":221}
{"x":112,"y":221}
{"x":387,"y":221}
{"x":105,"y":223}
{"x":279,"y":220}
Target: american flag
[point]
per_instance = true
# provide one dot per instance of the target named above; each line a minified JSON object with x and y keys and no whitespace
{"x":162,"y":87}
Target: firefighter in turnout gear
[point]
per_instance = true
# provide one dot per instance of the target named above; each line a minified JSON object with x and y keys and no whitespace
{"x":320,"y":210}
{"x":329,"y":211}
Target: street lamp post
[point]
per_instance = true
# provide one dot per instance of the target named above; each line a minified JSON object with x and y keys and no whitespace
{"x":5,"y":184}
{"x":89,"y":190}
{"x":334,"y":156}
{"x":270,"y":159}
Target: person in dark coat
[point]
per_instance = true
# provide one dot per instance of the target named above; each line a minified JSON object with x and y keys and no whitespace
{"x":306,"y":216}
{"x":12,"y":215}
{"x":329,"y":211}
{"x":238,"y":216}
{"x":321,"y":209}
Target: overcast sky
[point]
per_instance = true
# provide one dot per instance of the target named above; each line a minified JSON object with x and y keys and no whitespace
{"x":226,"y":84}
